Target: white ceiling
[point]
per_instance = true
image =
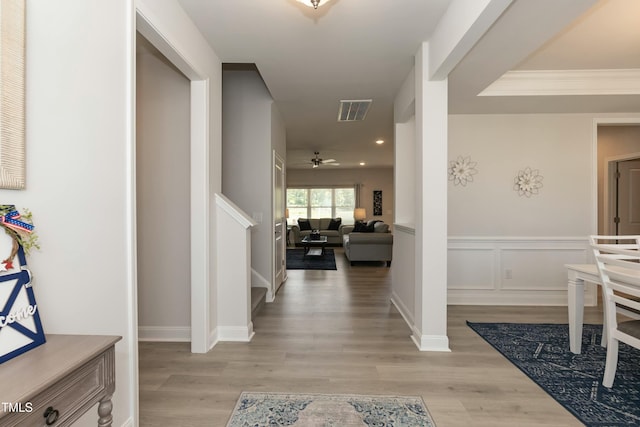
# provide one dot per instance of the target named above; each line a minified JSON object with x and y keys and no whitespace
{"x":363,"y":49}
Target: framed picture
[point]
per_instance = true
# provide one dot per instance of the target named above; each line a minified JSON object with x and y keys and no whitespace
{"x":377,"y":202}
{"x":12,"y":124}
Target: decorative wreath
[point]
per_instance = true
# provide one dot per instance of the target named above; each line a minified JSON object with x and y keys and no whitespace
{"x":20,"y":228}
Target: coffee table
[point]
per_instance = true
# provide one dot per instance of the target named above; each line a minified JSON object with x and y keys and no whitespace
{"x":314,"y":247}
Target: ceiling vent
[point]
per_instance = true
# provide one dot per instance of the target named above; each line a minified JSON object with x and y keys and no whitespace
{"x":353,"y":110}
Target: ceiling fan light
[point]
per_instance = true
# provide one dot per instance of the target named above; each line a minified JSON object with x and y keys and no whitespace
{"x":313,"y":3}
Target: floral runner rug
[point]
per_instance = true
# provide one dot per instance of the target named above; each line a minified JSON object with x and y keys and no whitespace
{"x":329,"y":410}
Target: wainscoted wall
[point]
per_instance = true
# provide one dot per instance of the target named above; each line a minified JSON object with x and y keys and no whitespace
{"x":403,"y":269}
{"x":514,"y":270}
{"x":493,"y":270}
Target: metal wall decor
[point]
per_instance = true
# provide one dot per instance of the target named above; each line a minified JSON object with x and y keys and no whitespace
{"x":461,"y":170}
{"x":377,"y":202}
{"x":528,"y":182}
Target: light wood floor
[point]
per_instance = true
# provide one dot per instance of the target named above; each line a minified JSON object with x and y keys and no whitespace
{"x":336,"y":332}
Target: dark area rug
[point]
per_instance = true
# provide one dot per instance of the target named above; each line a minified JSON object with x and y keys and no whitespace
{"x":297,"y":261}
{"x":541,"y":351}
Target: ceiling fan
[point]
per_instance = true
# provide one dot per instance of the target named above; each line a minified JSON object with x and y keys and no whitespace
{"x":317,"y":161}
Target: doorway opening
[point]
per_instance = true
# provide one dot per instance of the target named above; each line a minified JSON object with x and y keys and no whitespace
{"x":199,"y":184}
{"x":618,"y":153}
{"x":162,"y":197}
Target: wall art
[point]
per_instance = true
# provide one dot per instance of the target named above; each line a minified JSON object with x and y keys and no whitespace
{"x":12,"y":124}
{"x":461,"y":170}
{"x":528,"y":182}
{"x":377,"y":202}
{"x":19,"y":313}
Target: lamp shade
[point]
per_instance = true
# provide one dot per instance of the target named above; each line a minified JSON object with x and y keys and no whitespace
{"x":286,"y":213}
{"x":359,"y":214}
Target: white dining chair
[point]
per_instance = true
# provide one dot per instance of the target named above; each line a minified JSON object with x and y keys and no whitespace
{"x":619,"y":268}
{"x":622,"y":242}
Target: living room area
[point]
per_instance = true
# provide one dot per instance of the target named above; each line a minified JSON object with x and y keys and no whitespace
{"x":331,"y":201}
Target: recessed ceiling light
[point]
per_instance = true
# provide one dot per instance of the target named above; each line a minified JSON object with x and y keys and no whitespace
{"x":380,"y":141}
{"x":362,"y":163}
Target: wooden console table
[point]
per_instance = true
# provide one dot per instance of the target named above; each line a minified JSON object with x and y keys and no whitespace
{"x":57,"y":382}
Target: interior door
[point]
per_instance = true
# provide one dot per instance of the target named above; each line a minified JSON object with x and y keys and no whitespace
{"x":279,"y":225}
{"x":628,"y":197}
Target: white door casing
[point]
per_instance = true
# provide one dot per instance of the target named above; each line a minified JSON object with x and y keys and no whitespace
{"x":628,"y":197}
{"x":279,"y":228}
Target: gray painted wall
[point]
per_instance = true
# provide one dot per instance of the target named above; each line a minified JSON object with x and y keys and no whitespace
{"x":162,"y":133}
{"x":251,"y":130}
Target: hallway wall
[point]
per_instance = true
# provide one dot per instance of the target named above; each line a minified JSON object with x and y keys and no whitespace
{"x":163,"y":198}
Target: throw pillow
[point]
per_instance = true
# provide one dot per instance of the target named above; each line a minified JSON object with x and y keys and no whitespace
{"x":360,"y":227}
{"x":334,"y":224}
{"x":373,"y":222}
{"x":304,"y":224}
{"x":380,"y":227}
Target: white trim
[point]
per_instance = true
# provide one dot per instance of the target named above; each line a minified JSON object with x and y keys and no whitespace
{"x":492,"y":258}
{"x":259,"y":281}
{"x":402,"y":309}
{"x":236,"y":333}
{"x":594,"y":179}
{"x":273,"y":287}
{"x":164,"y":333}
{"x":458,"y":30}
{"x":234,"y":211}
{"x":131,"y":242}
{"x":430,"y":342}
{"x":213,"y":338}
{"x":405,"y":228}
{"x":547,"y":298}
{"x":519,"y":239}
{"x":565,"y":82}
{"x":608,"y":197}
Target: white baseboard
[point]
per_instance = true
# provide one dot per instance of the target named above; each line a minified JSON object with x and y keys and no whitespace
{"x":430,"y":342}
{"x":164,"y":333}
{"x":402,"y":308}
{"x":213,"y":338}
{"x":236,"y":333}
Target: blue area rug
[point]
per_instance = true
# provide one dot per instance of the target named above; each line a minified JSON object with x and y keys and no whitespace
{"x":575,"y":380}
{"x":297,"y":261}
{"x":329,"y":410}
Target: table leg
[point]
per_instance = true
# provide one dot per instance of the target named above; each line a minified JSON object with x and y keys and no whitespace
{"x":576,"y":312}
{"x":104,"y":412}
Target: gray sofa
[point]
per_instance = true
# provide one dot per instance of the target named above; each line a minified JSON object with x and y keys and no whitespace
{"x":368,"y":246}
{"x":334,"y":237}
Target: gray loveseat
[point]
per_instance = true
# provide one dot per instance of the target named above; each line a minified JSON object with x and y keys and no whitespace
{"x":368,"y":246}
{"x":334,"y":237}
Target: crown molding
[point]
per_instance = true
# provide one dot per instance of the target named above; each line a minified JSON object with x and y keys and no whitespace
{"x":565,"y":82}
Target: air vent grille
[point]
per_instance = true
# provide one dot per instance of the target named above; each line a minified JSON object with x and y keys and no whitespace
{"x":353,"y":110}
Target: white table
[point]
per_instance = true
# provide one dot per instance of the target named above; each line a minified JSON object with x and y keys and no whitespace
{"x":578,"y":274}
